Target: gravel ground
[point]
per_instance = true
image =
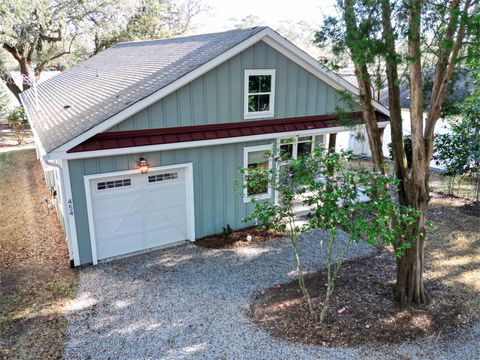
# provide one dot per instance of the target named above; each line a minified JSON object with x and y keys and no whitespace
{"x":188,"y":302}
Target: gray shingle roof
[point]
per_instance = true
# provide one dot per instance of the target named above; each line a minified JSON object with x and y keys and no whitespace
{"x":102,"y":86}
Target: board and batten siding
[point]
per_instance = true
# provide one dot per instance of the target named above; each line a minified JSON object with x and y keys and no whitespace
{"x":218,"y":96}
{"x":218,"y":201}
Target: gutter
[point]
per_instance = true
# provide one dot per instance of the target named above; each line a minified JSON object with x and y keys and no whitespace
{"x":42,"y":155}
{"x":38,"y":144}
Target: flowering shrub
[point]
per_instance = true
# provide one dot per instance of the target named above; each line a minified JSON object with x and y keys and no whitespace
{"x":360,"y":203}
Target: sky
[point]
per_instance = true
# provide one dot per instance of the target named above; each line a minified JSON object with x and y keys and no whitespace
{"x":272,"y":12}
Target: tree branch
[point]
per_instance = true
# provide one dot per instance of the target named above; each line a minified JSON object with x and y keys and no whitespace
{"x":435,"y":108}
{"x":12,"y":50}
{"x":10,"y":83}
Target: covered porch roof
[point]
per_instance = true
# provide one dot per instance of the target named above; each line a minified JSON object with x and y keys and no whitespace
{"x":136,"y":138}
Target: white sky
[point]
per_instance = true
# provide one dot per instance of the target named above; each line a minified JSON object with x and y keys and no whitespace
{"x":271,"y":12}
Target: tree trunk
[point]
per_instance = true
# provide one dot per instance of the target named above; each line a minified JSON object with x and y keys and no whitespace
{"x":409,"y":288}
{"x":26,"y":76}
{"x":364,"y":87}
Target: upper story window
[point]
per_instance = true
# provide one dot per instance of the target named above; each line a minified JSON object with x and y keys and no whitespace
{"x":259,"y":93}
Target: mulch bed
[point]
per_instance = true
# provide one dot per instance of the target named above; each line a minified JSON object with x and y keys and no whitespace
{"x":362,"y":309}
{"x":238,"y":239}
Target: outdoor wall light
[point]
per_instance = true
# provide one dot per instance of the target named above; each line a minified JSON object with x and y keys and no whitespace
{"x":143,"y":165}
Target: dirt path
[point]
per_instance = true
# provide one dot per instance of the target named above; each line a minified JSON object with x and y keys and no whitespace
{"x":34,"y":275}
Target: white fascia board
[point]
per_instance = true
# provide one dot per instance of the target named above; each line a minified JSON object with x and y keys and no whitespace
{"x":267,"y":35}
{"x":300,"y":57}
{"x":192,"y":144}
{"x":41,"y":150}
{"x":149,"y":100}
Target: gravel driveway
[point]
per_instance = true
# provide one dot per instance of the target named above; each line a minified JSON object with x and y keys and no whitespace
{"x":189,"y":303}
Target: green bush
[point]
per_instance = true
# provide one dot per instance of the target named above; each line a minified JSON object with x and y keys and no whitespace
{"x":19,"y":122}
{"x":407,"y":144}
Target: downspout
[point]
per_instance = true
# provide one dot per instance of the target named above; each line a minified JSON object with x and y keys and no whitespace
{"x":43,"y":157}
{"x":46,"y":161}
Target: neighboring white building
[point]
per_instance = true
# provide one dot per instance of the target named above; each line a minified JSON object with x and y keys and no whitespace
{"x":352,"y":140}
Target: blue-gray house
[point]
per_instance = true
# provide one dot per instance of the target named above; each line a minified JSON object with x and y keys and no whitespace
{"x":143,"y":142}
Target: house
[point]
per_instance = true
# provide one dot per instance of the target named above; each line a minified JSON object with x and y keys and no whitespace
{"x":142,"y":143}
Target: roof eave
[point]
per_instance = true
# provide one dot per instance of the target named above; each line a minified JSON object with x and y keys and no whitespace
{"x":268,"y":35}
{"x":38,"y":142}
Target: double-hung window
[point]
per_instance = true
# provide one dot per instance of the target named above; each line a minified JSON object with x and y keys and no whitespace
{"x":259,"y":93}
{"x":256,"y":159}
{"x":293,"y":148}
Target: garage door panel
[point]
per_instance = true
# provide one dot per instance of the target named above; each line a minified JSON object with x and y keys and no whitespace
{"x":120,"y":246}
{"x":144,"y":213}
{"x":117,"y":205}
{"x":164,"y":236}
{"x":164,"y":196}
{"x":125,"y":225}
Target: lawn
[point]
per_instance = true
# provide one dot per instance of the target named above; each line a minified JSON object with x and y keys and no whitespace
{"x":37,"y":283}
{"x":34,"y":273}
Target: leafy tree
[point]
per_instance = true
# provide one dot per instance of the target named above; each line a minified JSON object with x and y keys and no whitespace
{"x":150,"y":19}
{"x":38,"y":33}
{"x":246,"y":22}
{"x":330,"y":191}
{"x":34,"y":33}
{"x":436,"y":33}
{"x":459,"y":150}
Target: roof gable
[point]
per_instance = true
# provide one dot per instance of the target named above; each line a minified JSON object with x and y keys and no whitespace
{"x":102,"y":99}
{"x":102,"y":86}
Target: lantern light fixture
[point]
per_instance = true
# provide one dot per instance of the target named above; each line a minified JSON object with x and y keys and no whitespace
{"x":143,"y":165}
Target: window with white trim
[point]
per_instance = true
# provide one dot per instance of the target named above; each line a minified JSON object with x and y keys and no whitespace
{"x":162,"y":177}
{"x":113,"y":184}
{"x":257,"y":158}
{"x":259,"y":93}
{"x":293,"y":148}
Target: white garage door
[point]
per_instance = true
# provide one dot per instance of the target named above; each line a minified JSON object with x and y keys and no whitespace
{"x":137,"y":211}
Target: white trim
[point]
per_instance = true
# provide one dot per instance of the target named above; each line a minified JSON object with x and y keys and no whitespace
{"x":192,"y":144}
{"x":268,"y":36}
{"x":310,"y":64}
{"x":246,"y":150}
{"x":142,"y":104}
{"x":69,"y":211}
{"x":189,"y":184}
{"x":40,"y":150}
{"x":189,"y":196}
{"x":271,"y":105}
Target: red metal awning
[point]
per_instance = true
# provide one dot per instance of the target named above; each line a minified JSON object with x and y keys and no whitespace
{"x":123,"y":139}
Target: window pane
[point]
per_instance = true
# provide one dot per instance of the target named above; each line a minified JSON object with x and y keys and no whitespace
{"x":265,"y":83}
{"x":253,"y":84}
{"x":286,"y":151}
{"x":304,"y":138}
{"x":257,"y":160}
{"x":288,"y":141}
{"x":257,"y":157}
{"x":263,"y":102}
{"x":253,"y":103}
{"x":304,"y":148}
{"x":319,"y":140}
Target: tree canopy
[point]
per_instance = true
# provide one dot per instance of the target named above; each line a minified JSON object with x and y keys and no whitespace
{"x":35,"y":34}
